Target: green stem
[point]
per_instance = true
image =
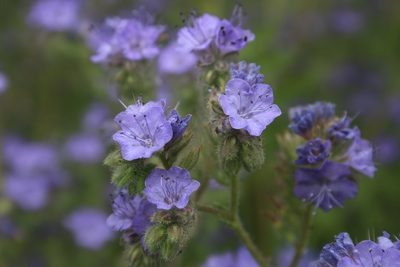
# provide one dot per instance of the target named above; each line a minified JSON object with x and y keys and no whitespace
{"x":305,"y":231}
{"x":235,"y":195}
{"x":218,"y":212}
{"x":164,"y":161}
{"x":245,"y":237}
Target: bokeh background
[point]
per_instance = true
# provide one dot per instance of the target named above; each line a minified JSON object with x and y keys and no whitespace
{"x":344,"y":52}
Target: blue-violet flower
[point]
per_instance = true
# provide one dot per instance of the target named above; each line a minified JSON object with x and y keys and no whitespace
{"x":249,"y":107}
{"x":170,"y":188}
{"x":312,"y":152}
{"x":248,"y":72}
{"x":178,"y":124}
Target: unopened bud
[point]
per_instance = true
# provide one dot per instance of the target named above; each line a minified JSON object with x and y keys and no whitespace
{"x":228,"y":148}
{"x":252,"y":156}
{"x":177,"y":234}
{"x":169,"y":250}
{"x":154,"y":237}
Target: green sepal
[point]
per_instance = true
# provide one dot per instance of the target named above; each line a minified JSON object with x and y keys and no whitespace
{"x":191,"y":159}
{"x":169,"y":250}
{"x":252,"y":156}
{"x":155,"y":237}
{"x":231,"y":166}
{"x":172,"y":148}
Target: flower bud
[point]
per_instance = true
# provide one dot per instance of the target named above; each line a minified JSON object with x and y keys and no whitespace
{"x":228,"y":148}
{"x":177,"y":234}
{"x":169,"y":250}
{"x":154,"y":237}
{"x":252,"y":156}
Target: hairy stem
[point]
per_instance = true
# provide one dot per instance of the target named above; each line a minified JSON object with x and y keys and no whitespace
{"x":218,"y":212}
{"x":304,"y":234}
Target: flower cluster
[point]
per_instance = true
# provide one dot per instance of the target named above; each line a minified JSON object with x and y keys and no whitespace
{"x":249,"y":107}
{"x":121,"y":39}
{"x":209,"y":33}
{"x":146,"y":129}
{"x":333,"y":155}
{"x":343,"y":253}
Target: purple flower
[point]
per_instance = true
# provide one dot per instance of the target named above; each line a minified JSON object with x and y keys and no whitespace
{"x":178,"y":124}
{"x":242,"y":258}
{"x":95,"y":117}
{"x":322,"y":110}
{"x":125,"y":38}
{"x":347,"y":21}
{"x":249,"y":107}
{"x":138,"y":40}
{"x":29,"y":192}
{"x":200,"y":35}
{"x":326,"y":187}
{"x":360,"y":155}
{"x":332,"y":253}
{"x":85,"y":148}
{"x":130,"y":212}
{"x":173,"y":61}
{"x":248,"y":72}
{"x":3,"y":83}
{"x":286,"y":255}
{"x":370,"y":254}
{"x":312,"y":152}
{"x":341,"y":130}
{"x":170,"y":188}
{"x":232,"y":39}
{"x":55,"y":15}
{"x":145,"y":129}
{"x":89,"y":228}
{"x":302,"y":121}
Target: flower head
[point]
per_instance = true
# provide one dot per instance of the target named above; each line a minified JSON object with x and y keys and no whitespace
{"x":302,"y":121}
{"x":312,"y":152}
{"x":130,"y":212}
{"x":248,"y":72}
{"x":341,"y":130}
{"x":55,"y":15}
{"x":249,"y":107}
{"x":89,"y":228}
{"x":360,"y":156}
{"x":325,"y":187}
{"x":200,"y":34}
{"x":170,"y":188}
{"x":145,"y":129}
{"x":178,"y":124}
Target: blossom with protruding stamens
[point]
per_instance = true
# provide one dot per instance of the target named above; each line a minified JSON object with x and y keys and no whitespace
{"x":249,"y":107}
{"x":200,"y":34}
{"x":232,"y":39}
{"x":170,"y":188}
{"x":325,"y":187}
{"x":143,"y":132}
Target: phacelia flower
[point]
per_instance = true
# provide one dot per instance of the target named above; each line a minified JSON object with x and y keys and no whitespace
{"x":173,"y":61}
{"x":312,"y":152}
{"x":325,"y":187}
{"x":89,"y":228}
{"x":130,"y":212}
{"x":55,"y":15}
{"x":249,"y":107}
{"x":241,"y":258}
{"x":200,"y":34}
{"x":360,"y":156}
{"x":85,"y":148}
{"x":145,"y":129}
{"x":302,"y":121}
{"x":332,"y":253}
{"x":322,"y":110}
{"x":170,"y":188}
{"x":178,"y":124}
{"x":341,"y":130}
{"x":3,"y":83}
{"x":232,"y":39}
{"x":248,"y":72}
{"x":119,"y":38}
{"x":369,"y":253}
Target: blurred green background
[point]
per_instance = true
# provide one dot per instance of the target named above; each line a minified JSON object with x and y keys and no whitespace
{"x":344,"y":52}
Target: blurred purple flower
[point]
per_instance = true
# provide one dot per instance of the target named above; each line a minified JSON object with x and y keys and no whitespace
{"x":249,"y":107}
{"x":286,"y":255}
{"x":387,"y":149}
{"x":95,"y":117}
{"x":173,"y":61}
{"x":125,"y":38}
{"x":347,"y":21}
{"x":88,"y":226}
{"x":325,"y":187}
{"x":312,"y":152}
{"x":341,"y":130}
{"x":85,"y":148}
{"x":130,"y":212}
{"x":360,"y":156}
{"x":170,"y":188}
{"x":242,"y":258}
{"x":199,"y":35}
{"x":55,"y":15}
{"x":3,"y":82}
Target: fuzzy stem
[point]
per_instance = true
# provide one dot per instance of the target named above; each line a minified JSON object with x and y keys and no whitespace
{"x":235,"y":195}
{"x":305,"y":231}
{"x":218,"y":212}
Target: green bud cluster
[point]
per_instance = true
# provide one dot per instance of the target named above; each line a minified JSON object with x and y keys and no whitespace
{"x":137,"y":257}
{"x":131,"y":174}
{"x":170,"y":231}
